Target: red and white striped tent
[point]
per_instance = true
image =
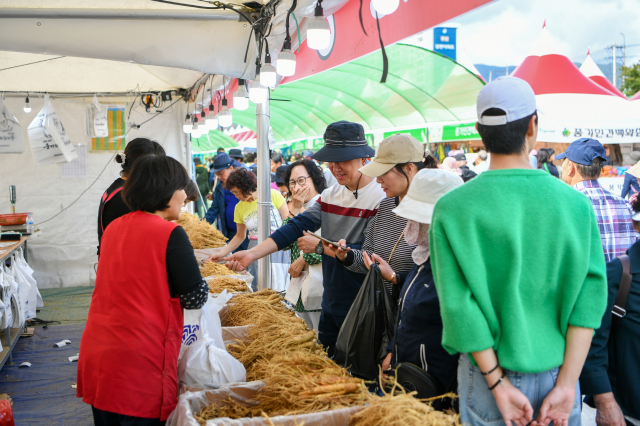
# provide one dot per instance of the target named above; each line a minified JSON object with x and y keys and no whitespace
{"x":591,"y":70}
{"x":571,"y":105}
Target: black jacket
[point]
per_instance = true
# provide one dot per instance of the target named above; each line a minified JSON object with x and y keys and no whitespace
{"x":418,"y":338}
{"x":612,"y":364}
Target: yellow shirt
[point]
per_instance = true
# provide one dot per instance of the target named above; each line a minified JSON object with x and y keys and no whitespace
{"x":247,"y":213}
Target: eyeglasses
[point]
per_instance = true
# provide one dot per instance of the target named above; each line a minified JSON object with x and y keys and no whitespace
{"x":300,"y":181}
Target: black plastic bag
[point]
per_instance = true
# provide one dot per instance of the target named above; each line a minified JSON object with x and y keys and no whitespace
{"x":367,"y":329}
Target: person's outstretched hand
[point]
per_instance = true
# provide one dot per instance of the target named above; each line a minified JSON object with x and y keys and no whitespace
{"x":333,"y":251}
{"x":240,"y":261}
{"x":214,"y":257}
{"x":557,"y":406}
{"x":515,"y":408}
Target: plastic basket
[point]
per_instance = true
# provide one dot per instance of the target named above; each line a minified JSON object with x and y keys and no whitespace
{"x":13,"y":219}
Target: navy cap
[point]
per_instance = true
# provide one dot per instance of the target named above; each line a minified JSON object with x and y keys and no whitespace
{"x":344,"y":141}
{"x":460,"y":157}
{"x":584,"y":151}
{"x":222,"y":161}
{"x":279,"y":179}
{"x":236,"y":153}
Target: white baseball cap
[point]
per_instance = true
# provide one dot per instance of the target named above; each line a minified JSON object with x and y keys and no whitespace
{"x":427,"y":187}
{"x":512,"y":95}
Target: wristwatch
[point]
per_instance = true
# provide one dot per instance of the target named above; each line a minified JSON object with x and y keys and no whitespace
{"x":319,"y":248}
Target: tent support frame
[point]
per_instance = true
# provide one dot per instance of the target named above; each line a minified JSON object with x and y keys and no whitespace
{"x":264,"y":190}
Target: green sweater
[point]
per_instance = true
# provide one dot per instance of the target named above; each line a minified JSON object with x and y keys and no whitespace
{"x":517,"y":257}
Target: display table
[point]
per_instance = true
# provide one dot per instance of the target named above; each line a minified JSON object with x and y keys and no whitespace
{"x":10,"y":336}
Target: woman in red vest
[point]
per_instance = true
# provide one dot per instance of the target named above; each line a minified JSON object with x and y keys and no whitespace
{"x":148,"y":273}
{"x":112,"y":206}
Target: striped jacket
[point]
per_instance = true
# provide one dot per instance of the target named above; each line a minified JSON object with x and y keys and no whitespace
{"x":341,"y":216}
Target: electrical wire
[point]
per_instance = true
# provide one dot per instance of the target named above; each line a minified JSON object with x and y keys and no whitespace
{"x":31,"y":63}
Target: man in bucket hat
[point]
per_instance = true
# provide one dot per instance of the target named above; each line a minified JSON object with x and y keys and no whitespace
{"x":343,"y":211}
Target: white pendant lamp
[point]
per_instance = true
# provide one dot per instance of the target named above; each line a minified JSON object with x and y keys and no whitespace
{"x":187,"y":127}
{"x":240,"y":97}
{"x":318,"y":30}
{"x":286,"y":63}
{"x":258,"y":94}
{"x":385,"y":7}
{"x":268,"y":73}
{"x":225,"y":118}
{"x":27,"y":107}
{"x":212,"y":119}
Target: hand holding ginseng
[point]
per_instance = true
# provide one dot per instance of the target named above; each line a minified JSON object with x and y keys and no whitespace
{"x":298,"y":196}
{"x":337,"y":252}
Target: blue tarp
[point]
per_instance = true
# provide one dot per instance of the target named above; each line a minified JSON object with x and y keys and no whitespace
{"x":43,"y":394}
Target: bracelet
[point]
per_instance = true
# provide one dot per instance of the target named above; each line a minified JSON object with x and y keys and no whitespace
{"x":491,"y":371}
{"x":500,"y":380}
{"x":393,"y":277}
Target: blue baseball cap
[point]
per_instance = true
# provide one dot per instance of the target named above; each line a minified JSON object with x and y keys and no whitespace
{"x":584,"y":151}
{"x":222,"y":161}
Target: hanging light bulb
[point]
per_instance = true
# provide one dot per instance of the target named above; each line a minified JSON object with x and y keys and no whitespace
{"x":268,"y":73}
{"x":225,"y":117}
{"x":258,"y":94}
{"x":286,"y":63}
{"x":187,"y":127}
{"x":385,"y":7}
{"x":204,"y":126}
{"x":27,"y":107}
{"x":212,"y":120}
{"x":240,"y":99}
{"x":318,"y":30}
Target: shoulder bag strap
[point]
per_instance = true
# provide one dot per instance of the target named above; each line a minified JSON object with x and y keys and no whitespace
{"x":619,"y":305}
{"x":396,"y":246}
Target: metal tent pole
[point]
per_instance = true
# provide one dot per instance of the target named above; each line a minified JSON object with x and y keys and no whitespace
{"x":264,"y":190}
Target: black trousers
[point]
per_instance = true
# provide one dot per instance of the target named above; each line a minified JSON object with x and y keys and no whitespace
{"x":328,"y":330}
{"x":106,"y":418}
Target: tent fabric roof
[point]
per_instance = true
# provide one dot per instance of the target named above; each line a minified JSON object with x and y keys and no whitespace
{"x":548,"y":71}
{"x":591,"y":70}
{"x":212,"y":141}
{"x":635,"y":97}
{"x":422,"y":87}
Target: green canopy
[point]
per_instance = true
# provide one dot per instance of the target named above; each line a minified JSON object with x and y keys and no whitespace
{"x":212,"y":141}
{"x":422,"y":87}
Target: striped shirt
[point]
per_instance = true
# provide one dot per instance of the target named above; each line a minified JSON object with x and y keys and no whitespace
{"x":340,"y":215}
{"x":380,"y":238}
{"x":613,"y":215}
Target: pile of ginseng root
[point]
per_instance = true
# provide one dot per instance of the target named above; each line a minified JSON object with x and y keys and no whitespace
{"x":281,"y":351}
{"x":201,"y":234}
{"x":210,"y":269}
{"x":233,"y":285}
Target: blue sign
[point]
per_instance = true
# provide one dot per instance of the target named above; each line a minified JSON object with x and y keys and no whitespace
{"x":444,"y":41}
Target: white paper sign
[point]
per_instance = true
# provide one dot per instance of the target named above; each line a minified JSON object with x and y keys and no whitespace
{"x":48,"y":138}
{"x":11,"y":138}
{"x":78,"y":167}
{"x":100,"y":123}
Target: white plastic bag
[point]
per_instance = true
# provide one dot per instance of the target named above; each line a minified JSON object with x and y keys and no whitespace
{"x":34,"y":299}
{"x":100,"y":122}
{"x":5,"y":290}
{"x":11,"y":138}
{"x":205,"y":322}
{"x":28,"y":289}
{"x":48,"y":138}
{"x":193,"y":402}
{"x":204,"y":363}
{"x":313,"y":288}
{"x":19,"y":292}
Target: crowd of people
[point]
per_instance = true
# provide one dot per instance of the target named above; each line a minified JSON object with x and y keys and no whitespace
{"x":517,"y":285}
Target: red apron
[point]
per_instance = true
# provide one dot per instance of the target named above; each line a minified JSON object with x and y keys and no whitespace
{"x":129,"y":349}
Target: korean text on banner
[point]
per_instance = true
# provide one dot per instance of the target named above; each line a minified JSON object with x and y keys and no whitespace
{"x":48,"y":138}
{"x":11,"y":139}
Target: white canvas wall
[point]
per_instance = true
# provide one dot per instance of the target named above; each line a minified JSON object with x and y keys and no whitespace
{"x":65,"y":254}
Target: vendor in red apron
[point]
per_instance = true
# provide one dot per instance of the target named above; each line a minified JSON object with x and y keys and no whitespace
{"x":111,"y":204}
{"x":148,"y":273}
